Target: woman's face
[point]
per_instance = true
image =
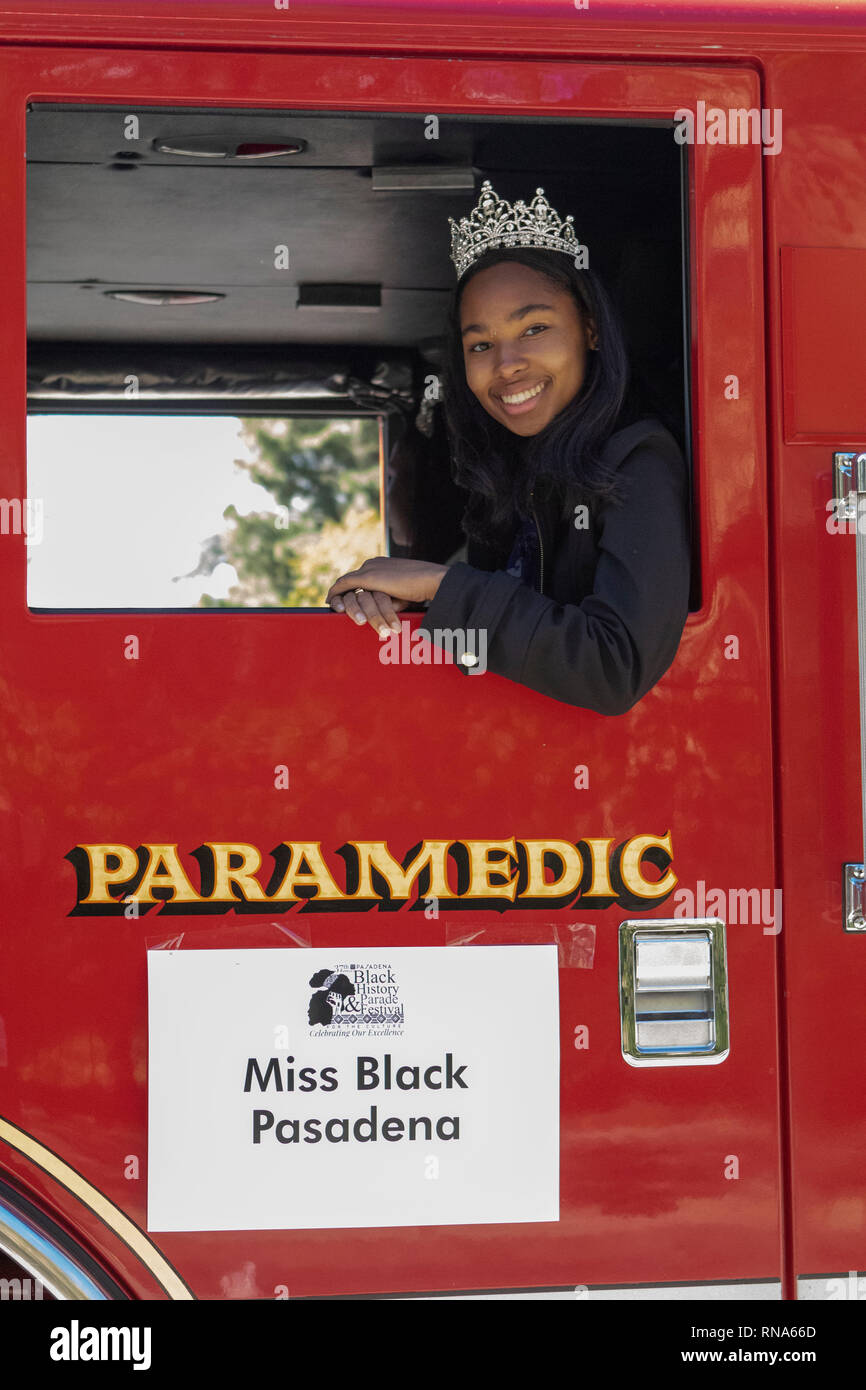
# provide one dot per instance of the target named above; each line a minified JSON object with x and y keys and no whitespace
{"x":524,"y":345}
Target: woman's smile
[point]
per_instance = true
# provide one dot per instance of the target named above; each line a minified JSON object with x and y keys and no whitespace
{"x":519,"y":402}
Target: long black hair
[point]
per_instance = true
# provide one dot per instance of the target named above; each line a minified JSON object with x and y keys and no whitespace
{"x":499,"y":469}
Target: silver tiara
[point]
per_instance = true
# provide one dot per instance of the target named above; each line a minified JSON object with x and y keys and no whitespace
{"x":494,"y":222}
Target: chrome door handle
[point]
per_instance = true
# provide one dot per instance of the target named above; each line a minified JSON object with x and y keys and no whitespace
{"x":673,"y":991}
{"x":849,"y":492}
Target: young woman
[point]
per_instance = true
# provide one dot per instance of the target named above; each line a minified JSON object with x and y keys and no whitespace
{"x":577,"y":517}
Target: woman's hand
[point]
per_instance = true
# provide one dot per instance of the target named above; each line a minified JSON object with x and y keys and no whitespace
{"x":387,"y":586}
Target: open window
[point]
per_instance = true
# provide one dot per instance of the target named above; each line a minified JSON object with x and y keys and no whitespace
{"x":267,"y":287}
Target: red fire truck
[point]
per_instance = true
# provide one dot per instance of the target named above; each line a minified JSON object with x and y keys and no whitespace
{"x":223,"y":211}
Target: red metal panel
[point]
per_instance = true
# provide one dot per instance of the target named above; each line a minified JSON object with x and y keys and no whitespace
{"x":823,"y":353}
{"x":735,"y":30}
{"x":817,"y":198}
{"x":181,"y":745}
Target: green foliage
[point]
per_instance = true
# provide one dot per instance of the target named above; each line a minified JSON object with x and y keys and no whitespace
{"x":323,"y":475}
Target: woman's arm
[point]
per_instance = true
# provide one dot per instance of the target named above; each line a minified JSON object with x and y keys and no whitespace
{"x":605,"y":652}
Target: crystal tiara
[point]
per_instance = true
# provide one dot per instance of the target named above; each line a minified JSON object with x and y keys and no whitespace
{"x":495,"y":222}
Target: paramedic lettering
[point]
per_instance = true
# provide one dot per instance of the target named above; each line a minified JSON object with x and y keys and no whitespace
{"x":496,"y":873}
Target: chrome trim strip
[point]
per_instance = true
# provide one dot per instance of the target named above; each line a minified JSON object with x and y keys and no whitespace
{"x":670,"y":1293}
{"x":750,"y":1290}
{"x":45,"y":1261}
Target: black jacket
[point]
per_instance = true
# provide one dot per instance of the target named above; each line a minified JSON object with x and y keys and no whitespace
{"x":615,"y":593}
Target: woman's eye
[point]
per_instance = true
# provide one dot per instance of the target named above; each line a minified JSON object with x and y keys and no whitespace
{"x":534,"y":329}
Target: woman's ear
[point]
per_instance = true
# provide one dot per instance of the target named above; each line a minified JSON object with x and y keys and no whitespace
{"x":591,"y":335}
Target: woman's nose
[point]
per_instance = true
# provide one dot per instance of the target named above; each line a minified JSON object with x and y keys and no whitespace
{"x":509,"y":357}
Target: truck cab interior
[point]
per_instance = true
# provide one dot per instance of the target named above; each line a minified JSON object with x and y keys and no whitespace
{"x":189,"y":267}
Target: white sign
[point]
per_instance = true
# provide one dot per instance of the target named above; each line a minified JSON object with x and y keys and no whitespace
{"x":317,"y":1088}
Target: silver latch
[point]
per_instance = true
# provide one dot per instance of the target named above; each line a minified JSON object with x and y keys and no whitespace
{"x":673,"y":992}
{"x":849,"y":479}
{"x":854,"y":897}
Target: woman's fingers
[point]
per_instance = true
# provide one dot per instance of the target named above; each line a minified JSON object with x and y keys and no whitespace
{"x":349,"y":605}
{"x":370,"y":610}
{"x":370,"y":606}
{"x":378,"y":611}
{"x":388,"y":610}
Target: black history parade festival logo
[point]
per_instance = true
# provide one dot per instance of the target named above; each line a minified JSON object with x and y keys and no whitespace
{"x":355,"y":1001}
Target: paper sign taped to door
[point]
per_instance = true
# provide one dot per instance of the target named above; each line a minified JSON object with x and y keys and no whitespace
{"x":295,"y":1089}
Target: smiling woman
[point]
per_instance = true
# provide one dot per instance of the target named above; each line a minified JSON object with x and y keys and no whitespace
{"x":577,"y":515}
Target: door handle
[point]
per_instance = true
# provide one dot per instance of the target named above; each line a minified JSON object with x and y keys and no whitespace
{"x":849,"y":490}
{"x":197,"y":147}
{"x":673,"y":992}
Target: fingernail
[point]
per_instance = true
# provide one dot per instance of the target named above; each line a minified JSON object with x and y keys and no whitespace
{"x":383,"y":633}
{"x":339,"y":605}
{"x":395,"y":626}
{"x":359,"y":618}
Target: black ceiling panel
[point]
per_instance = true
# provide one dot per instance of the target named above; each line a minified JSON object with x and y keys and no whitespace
{"x":109,"y":213}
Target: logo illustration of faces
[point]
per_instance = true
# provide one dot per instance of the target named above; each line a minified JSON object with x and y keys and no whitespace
{"x":331,"y":989}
